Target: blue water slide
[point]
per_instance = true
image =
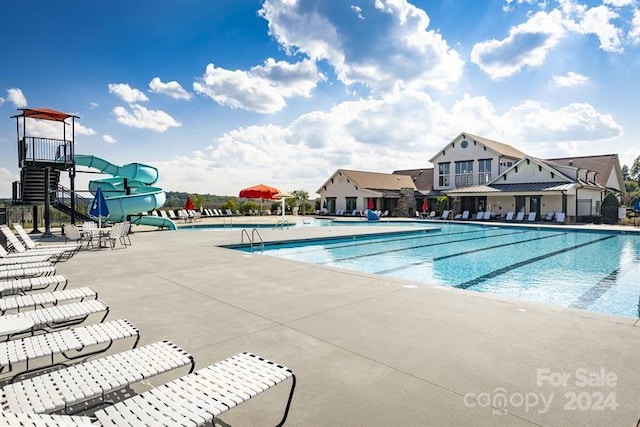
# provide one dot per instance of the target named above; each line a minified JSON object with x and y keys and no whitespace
{"x":136,"y":179}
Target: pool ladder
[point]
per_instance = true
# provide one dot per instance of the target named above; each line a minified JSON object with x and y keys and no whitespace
{"x":255,"y":234}
{"x":282,"y":224}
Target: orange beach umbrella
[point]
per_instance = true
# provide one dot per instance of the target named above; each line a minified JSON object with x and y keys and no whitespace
{"x":259,"y":191}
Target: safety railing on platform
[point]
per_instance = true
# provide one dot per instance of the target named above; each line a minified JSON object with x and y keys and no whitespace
{"x":45,"y":150}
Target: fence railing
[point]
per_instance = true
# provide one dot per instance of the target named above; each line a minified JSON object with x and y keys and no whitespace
{"x":34,"y":149}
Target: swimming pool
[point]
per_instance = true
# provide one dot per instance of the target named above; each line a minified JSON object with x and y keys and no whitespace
{"x":591,"y":270}
{"x":311,"y":222}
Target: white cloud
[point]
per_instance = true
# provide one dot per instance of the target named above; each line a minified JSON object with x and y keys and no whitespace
{"x":172,"y":89}
{"x":1,"y":100}
{"x":634,"y":32}
{"x":16,"y":97}
{"x":597,"y":21}
{"x":93,"y":105}
{"x":569,"y":80}
{"x":528,"y":44}
{"x":127,"y":93}
{"x":399,"y":131}
{"x":108,"y":138}
{"x":619,"y":3}
{"x":400,"y":53}
{"x":143,"y":118}
{"x":50,"y":129}
{"x":263,"y":89}
{"x":358,"y":11}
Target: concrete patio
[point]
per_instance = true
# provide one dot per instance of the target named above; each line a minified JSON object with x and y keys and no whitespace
{"x":369,"y":350}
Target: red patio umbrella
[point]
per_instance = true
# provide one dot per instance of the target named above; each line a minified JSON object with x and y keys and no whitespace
{"x":370,"y":205}
{"x":425,"y":205}
{"x":188,"y":205}
{"x":259,"y":191}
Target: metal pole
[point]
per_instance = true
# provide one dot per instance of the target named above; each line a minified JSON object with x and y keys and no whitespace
{"x":35,"y":220}
{"x":47,"y":206}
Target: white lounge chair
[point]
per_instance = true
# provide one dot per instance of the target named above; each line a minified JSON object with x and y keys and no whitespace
{"x":458,"y":216}
{"x":33,"y":301}
{"x":163,"y":214}
{"x":509,"y":216}
{"x":465,"y":215}
{"x":549,"y":216}
{"x":520,"y":217}
{"x":445,"y":215}
{"x":25,"y":355}
{"x":30,"y":244}
{"x":17,"y":246}
{"x":531,"y":217}
{"x":560,"y":217}
{"x":44,"y":420}
{"x":58,"y":390}
{"x":25,"y":265}
{"x":198,"y":398}
{"x":59,"y":316}
{"x":24,"y":273}
{"x":16,"y":286}
{"x":20,"y":258}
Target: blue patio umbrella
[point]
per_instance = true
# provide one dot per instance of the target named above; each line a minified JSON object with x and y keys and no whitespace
{"x":324,"y":204}
{"x":636,"y":206}
{"x":98,"y":208}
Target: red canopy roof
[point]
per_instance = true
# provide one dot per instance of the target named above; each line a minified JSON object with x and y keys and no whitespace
{"x":44,"y":114}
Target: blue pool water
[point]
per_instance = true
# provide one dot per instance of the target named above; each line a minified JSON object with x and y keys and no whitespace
{"x":595,"y":271}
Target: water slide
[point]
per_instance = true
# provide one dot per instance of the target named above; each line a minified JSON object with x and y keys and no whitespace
{"x":136,"y":179}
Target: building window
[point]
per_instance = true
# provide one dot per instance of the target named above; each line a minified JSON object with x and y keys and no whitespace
{"x":464,"y":173}
{"x":443,"y":174}
{"x":351,"y":204}
{"x":484,"y":171}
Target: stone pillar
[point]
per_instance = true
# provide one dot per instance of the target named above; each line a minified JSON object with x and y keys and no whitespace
{"x":407,"y":203}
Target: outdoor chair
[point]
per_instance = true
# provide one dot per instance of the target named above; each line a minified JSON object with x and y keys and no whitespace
{"x":56,"y":317}
{"x":458,"y":216}
{"x":13,"y":266}
{"x":30,"y":244}
{"x":72,"y":233}
{"x":163,"y":214}
{"x":445,"y":215}
{"x":549,"y":216}
{"x":17,"y":246}
{"x":44,"y":420}
{"x":31,"y":354}
{"x":200,"y":397}
{"x":20,"y":286}
{"x":33,"y":301}
{"x":172,"y":214}
{"x":520,"y":217}
{"x":61,"y":389}
{"x":465,"y":215}
{"x":20,"y":258}
{"x":24,"y":273}
{"x":531,"y":217}
{"x":509,"y":216}
{"x":560,"y":217}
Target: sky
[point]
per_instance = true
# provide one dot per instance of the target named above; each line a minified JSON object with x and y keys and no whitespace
{"x":221,"y":95}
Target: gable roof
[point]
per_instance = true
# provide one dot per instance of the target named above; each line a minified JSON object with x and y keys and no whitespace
{"x":373,"y":180}
{"x":499,"y":148}
{"x":422,"y":178}
{"x":603,"y":165}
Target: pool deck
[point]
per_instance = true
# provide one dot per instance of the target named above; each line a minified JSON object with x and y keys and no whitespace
{"x":368,"y":350}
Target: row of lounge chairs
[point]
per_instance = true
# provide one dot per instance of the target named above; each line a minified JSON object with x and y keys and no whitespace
{"x":558,"y":217}
{"x":56,"y":367}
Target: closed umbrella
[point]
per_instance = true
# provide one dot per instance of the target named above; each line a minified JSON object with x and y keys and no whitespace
{"x":188,"y":205}
{"x":370,"y":205}
{"x":98,"y":208}
{"x":425,"y":205}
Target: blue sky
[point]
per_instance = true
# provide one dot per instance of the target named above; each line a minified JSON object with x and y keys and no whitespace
{"x":221,"y":95}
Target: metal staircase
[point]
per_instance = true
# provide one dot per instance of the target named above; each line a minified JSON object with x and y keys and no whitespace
{"x":30,"y":188}
{"x":62,"y":202}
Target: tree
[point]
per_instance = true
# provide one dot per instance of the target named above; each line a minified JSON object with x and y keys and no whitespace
{"x":625,"y":173}
{"x":300,"y":195}
{"x":635,"y":170}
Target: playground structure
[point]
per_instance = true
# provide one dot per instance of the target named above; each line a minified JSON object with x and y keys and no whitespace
{"x":129,"y":191}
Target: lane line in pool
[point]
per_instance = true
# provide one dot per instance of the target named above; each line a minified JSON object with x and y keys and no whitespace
{"x":596,"y":291}
{"x":508,"y":268}
{"x":430,"y":244}
{"x":384,"y":240}
{"x":414,"y":264}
